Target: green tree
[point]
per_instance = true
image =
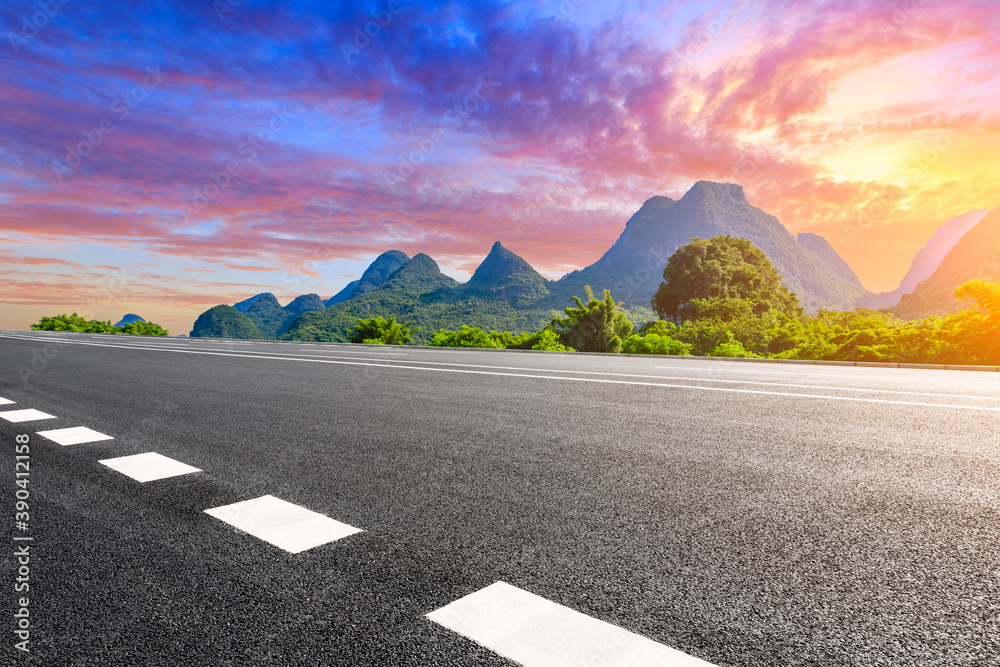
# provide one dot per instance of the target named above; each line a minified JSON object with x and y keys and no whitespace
{"x":654,"y":344}
{"x":62,"y":323}
{"x":144,"y":329}
{"x":548,"y":339}
{"x":75,"y":323}
{"x":723,"y":277}
{"x":466,"y":337}
{"x":379,"y":330}
{"x":595,"y":326}
{"x":730,"y":347}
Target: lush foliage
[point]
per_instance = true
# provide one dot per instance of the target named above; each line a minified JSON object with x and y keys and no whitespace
{"x":654,"y":344}
{"x":545,"y":339}
{"x":78,"y":324}
{"x":381,"y":331}
{"x":595,"y":326}
{"x":548,"y":339}
{"x":144,"y":329}
{"x":467,"y":337}
{"x":722,"y":277}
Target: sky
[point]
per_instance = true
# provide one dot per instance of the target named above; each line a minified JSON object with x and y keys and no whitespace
{"x":164,"y":157}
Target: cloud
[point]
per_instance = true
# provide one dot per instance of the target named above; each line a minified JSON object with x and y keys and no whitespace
{"x":585,"y":121}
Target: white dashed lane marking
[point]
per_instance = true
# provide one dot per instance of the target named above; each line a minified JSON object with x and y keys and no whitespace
{"x":536,"y":632}
{"x":74,"y":436}
{"x":283,"y":524}
{"x":149,"y":467}
{"x":18,"y":416}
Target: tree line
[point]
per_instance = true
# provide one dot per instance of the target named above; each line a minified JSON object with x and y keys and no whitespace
{"x":78,"y":324}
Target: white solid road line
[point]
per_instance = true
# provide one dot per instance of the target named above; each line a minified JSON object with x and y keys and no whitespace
{"x":814,"y":371}
{"x":149,"y":467}
{"x":283,"y":524}
{"x":390,"y":365}
{"x":17,"y":416}
{"x":76,"y":435}
{"x":536,"y":632}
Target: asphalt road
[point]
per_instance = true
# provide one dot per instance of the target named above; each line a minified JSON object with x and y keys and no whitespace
{"x":745,"y":514}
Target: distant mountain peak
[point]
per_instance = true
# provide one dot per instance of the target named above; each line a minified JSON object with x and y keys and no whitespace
{"x":378,"y":272}
{"x":244,"y":305}
{"x":506,"y":275}
{"x":498,"y":266}
{"x":633,"y":267}
{"x":656,"y":203}
{"x":716,"y":191}
{"x":128,"y":319}
{"x":305,"y":303}
{"x":420,"y":268}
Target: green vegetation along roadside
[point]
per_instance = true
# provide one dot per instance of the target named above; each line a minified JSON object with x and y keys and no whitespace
{"x":76,"y":323}
{"x":721,"y":297}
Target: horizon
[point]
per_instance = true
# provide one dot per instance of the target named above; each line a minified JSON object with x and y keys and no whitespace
{"x":162,"y":162}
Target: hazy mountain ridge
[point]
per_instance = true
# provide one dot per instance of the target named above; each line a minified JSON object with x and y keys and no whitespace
{"x":927,"y":259}
{"x":975,"y":255}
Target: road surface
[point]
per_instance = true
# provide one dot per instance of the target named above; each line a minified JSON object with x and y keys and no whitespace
{"x":485,"y":507}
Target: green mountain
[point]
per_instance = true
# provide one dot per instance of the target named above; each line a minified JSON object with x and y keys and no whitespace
{"x":419,"y":292}
{"x":378,"y":272}
{"x":822,"y":249}
{"x":304,"y":303}
{"x":244,"y":305}
{"x":633,"y":267}
{"x":976,"y":255}
{"x":506,"y":277}
{"x":224,"y":322}
{"x":342,"y":295}
{"x":267,"y":315}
